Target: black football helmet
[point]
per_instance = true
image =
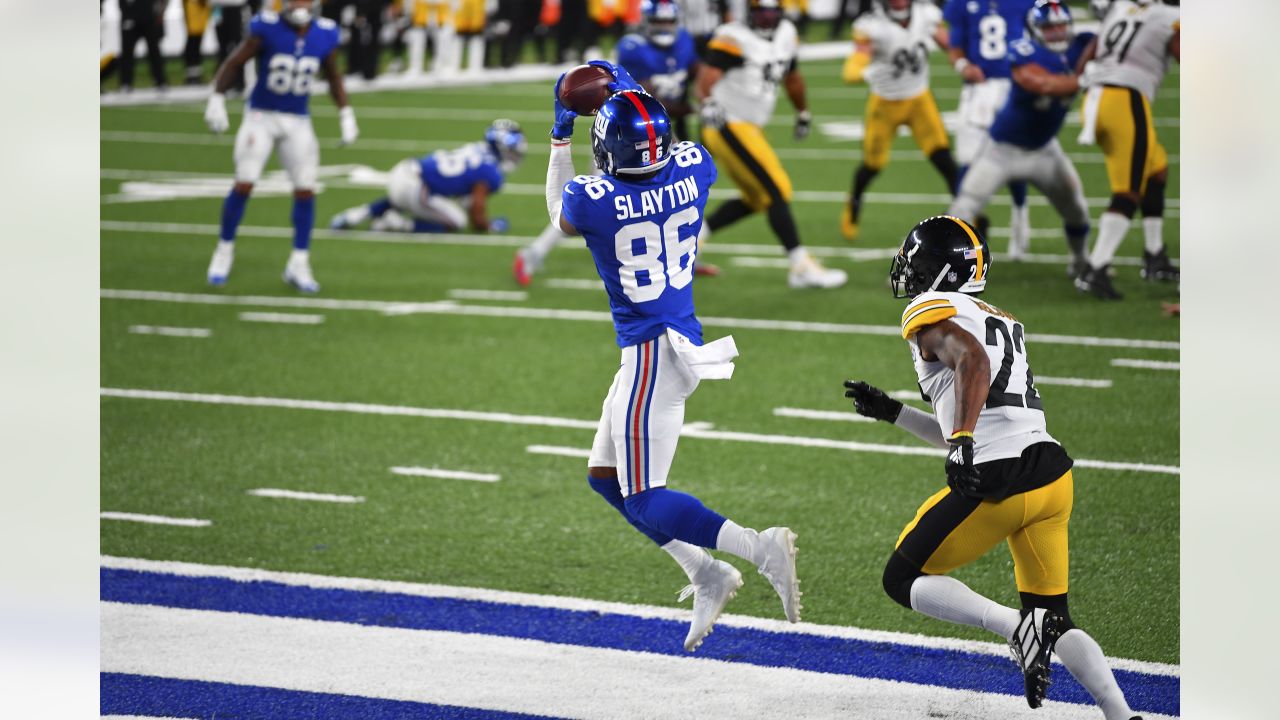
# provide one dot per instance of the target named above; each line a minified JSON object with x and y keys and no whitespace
{"x":941,"y":253}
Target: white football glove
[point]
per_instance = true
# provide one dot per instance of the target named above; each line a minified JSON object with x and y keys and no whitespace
{"x":712,"y":114}
{"x":347,"y":122}
{"x":215,"y":113}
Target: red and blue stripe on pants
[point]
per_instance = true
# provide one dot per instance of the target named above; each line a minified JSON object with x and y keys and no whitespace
{"x":637,"y":430}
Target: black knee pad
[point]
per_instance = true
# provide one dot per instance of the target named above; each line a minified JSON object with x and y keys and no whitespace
{"x":1056,"y":603}
{"x":1123,"y":205}
{"x":899,"y":573}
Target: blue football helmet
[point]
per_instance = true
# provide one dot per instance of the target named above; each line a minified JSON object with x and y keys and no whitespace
{"x":631,"y":134}
{"x":661,"y":21}
{"x":1049,"y":24}
{"x":506,"y":140}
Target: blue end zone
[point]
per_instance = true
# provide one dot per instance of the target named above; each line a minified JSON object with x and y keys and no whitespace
{"x":861,"y":658}
{"x":166,"y":697}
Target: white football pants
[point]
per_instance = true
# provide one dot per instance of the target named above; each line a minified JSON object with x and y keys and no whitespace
{"x":1047,"y":168}
{"x":979,"y":103}
{"x":261,"y":131}
{"x":409,"y":194}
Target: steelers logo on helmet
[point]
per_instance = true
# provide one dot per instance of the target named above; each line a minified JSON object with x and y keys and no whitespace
{"x":897,"y":10}
{"x":1049,"y":24}
{"x":631,"y":134}
{"x":763,"y":16}
{"x":661,"y":19}
{"x":507,"y":141}
{"x":941,"y":253}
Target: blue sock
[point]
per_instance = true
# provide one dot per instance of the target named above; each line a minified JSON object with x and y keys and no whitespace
{"x":379,"y":207}
{"x":424,"y":226}
{"x":960,"y":173}
{"x":681,"y":516}
{"x":232,"y":211}
{"x":1018,"y":191}
{"x":304,"y":216}
{"x":609,"y":490}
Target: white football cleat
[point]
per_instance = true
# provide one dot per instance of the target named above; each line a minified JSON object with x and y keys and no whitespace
{"x":809,"y":273}
{"x":220,"y":265}
{"x":297,"y":272}
{"x":1019,"y":232}
{"x":779,"y":568}
{"x":714,"y":587}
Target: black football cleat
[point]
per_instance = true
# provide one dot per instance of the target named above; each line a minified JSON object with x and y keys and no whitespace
{"x":1156,"y":267}
{"x":1097,"y":282}
{"x":1032,"y":646}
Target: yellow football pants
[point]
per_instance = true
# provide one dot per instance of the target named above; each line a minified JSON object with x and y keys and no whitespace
{"x":884,"y":117}
{"x":197,"y":14}
{"x":950,"y":531}
{"x":1128,"y":140}
{"x":740,"y":148}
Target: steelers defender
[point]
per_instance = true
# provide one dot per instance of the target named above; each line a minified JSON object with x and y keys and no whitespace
{"x":1128,"y":64}
{"x":737,"y":84}
{"x":1008,"y":479}
{"x":892,"y":55}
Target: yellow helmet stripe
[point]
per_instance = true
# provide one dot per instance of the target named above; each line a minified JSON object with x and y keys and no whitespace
{"x":977,"y":244}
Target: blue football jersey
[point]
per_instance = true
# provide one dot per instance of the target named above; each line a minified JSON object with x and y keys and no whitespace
{"x":665,"y":70}
{"x":985,"y":29}
{"x":288,"y":61}
{"x":1029,"y":120}
{"x":452,"y":173}
{"x":643,"y":236}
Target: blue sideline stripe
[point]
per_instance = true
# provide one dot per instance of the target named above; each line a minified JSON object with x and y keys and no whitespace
{"x":842,"y":656}
{"x":166,"y":697}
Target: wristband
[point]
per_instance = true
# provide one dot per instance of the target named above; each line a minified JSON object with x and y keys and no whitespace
{"x":961,"y":63}
{"x":961,"y":434}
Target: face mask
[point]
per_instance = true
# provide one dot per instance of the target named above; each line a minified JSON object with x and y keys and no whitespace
{"x":298,"y":16}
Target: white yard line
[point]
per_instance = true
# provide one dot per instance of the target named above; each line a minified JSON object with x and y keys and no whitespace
{"x":572,"y":284}
{"x":1146,"y":364}
{"x":715,"y":247}
{"x":560,"y":450}
{"x":445,"y":308}
{"x":170,"y":331}
{"x":465,"y":294}
{"x":295,"y":495}
{"x":691,"y":430}
{"x":446,"y":474}
{"x":282,"y":318}
{"x":1099,"y":384}
{"x":154,"y":519}
{"x":247,"y":575}
{"x":802,"y":413}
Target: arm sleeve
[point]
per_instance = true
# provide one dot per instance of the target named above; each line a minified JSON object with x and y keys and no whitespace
{"x":559,"y":172}
{"x":921,"y":424}
{"x":492,"y":176}
{"x":723,"y":53}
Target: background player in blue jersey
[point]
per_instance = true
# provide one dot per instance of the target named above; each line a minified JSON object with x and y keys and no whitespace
{"x":981,"y":31}
{"x":291,"y":48}
{"x":640,"y":220}
{"x":421,"y":192}
{"x":663,"y":59}
{"x":1023,"y":140}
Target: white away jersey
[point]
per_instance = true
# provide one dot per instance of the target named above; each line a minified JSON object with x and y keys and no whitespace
{"x":1013,"y":417}
{"x":899,"y":67}
{"x":1133,"y":46}
{"x":749,"y":91}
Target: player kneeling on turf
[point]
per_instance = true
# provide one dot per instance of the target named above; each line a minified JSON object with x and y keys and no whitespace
{"x":640,"y":220}
{"x":421,"y":191}
{"x":1008,"y":479}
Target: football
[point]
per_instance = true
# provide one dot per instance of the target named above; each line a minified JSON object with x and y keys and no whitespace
{"x":585,"y":88}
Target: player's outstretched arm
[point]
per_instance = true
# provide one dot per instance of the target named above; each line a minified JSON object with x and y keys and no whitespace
{"x":855,"y":66}
{"x":793,"y":81}
{"x":476,"y":209}
{"x":1035,"y":79}
{"x":870,"y":401}
{"x":338,"y":91}
{"x":215,"y":112}
{"x":560,"y":163}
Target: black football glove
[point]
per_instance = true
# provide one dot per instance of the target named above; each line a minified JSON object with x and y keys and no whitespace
{"x":871,"y":401}
{"x":962,"y":475}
